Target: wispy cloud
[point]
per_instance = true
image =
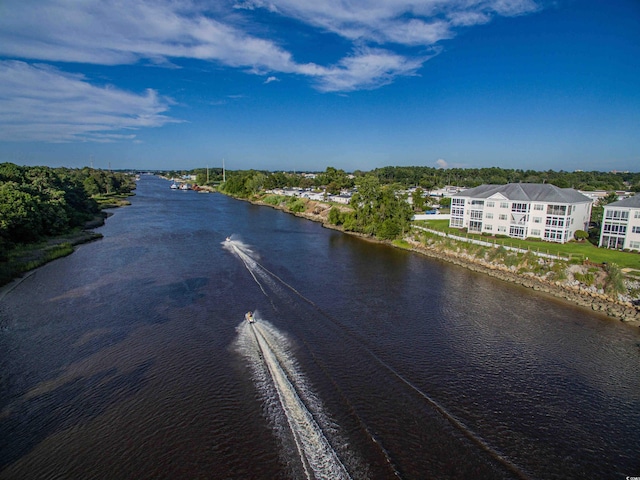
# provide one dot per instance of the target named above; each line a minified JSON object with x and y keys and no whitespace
{"x":385,"y":39}
{"x":110,"y":32}
{"x":401,"y":21}
{"x":366,"y":69}
{"x":39,"y":102}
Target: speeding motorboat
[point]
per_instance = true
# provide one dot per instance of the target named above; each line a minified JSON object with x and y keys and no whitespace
{"x":249,"y":317}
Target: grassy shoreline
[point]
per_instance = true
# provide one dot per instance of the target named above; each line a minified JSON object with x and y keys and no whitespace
{"x":25,"y":258}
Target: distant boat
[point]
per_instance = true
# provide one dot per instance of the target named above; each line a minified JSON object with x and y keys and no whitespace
{"x":185,"y":186}
{"x":174,"y":186}
{"x":249,"y":317}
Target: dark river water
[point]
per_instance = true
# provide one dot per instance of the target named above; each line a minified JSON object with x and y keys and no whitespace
{"x":131,"y":359}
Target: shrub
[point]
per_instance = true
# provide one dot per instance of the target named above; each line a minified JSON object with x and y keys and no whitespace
{"x":297,"y":205}
{"x":273,"y":199}
{"x":581,"y":235}
{"x":615,"y":279}
{"x":511,"y":260}
{"x":335,"y":217}
{"x":586,"y":278}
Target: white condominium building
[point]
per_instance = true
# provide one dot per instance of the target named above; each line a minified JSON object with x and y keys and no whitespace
{"x":621,"y":224}
{"x":522,"y":210}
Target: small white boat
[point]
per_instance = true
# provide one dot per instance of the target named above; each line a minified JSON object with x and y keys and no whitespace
{"x":249,"y":317}
{"x":174,"y":186}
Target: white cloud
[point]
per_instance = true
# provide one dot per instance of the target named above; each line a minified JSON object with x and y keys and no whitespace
{"x":367,"y":69}
{"x":406,"y":22}
{"x":113,"y":32}
{"x":39,"y":102}
{"x":386,"y":39}
{"x":440,"y":163}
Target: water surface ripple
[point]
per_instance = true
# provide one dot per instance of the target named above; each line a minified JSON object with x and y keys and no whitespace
{"x":131,"y":359}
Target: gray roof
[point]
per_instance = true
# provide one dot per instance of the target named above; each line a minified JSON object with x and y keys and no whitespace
{"x":532,"y":192}
{"x":629,"y":202}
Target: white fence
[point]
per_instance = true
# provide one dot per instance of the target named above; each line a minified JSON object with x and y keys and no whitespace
{"x":488,"y":244}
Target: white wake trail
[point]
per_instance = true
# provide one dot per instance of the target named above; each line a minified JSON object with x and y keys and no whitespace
{"x":281,"y":381}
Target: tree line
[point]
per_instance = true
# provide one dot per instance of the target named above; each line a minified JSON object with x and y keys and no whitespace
{"x":242,"y":182}
{"x":36,"y":202}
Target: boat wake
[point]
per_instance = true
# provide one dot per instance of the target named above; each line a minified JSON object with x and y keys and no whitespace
{"x":293,"y":409}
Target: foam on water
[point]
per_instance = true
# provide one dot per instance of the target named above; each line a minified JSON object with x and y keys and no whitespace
{"x":293,"y":408}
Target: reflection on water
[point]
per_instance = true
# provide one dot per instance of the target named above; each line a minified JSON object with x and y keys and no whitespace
{"x":130,"y":359}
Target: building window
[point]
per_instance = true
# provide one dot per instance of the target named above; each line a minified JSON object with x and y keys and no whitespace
{"x":622,"y":215}
{"x":535,"y":233}
{"x":615,"y":229}
{"x":504,"y":204}
{"x":502,"y":216}
{"x":636,"y":214}
{"x":538,"y":206}
{"x":612,"y":242}
{"x":556,"y":210}
{"x":553,"y":235}
{"x":456,"y":222}
{"x":634,"y":245}
{"x":475,"y":226}
{"x":555,"y":221}
{"x":502,"y":228}
{"x":478,"y":202}
{"x":537,"y":220}
{"x":635,"y":229}
{"x":488,"y":215}
{"x":491,"y":204}
{"x":517,"y":232}
{"x":457,"y":201}
{"x":476,"y":214}
{"x":520,"y":207}
{"x":488,"y":227}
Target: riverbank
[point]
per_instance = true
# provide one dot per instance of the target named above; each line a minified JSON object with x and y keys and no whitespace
{"x":23,"y":260}
{"x":568,"y":289}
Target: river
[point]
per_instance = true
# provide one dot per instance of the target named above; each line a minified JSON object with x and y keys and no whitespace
{"x":131,"y":359}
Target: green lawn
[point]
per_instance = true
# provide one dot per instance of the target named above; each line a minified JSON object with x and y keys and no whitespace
{"x":571,"y":249}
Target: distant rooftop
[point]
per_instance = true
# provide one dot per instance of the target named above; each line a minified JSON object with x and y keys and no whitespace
{"x":629,"y":202}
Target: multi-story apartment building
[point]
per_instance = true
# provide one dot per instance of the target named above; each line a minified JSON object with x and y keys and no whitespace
{"x":522,"y":210}
{"x":621,"y":224}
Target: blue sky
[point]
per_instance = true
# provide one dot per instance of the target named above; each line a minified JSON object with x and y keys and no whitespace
{"x":306,"y":84}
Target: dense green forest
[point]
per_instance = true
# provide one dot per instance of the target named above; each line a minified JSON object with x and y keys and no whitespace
{"x":36,"y":202}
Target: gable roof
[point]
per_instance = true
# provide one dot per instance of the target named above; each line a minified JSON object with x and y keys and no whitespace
{"x":531,"y":192}
{"x":629,"y":202}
